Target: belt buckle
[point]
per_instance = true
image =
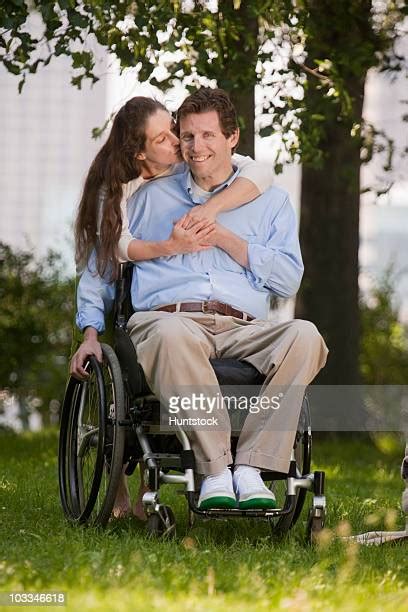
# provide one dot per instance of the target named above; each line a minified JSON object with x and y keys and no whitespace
{"x":204,"y":307}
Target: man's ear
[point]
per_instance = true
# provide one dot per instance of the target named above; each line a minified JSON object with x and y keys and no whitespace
{"x":140,"y":156}
{"x":233,"y":139}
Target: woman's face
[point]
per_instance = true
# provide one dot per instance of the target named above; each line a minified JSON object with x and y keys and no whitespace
{"x":162,"y":146}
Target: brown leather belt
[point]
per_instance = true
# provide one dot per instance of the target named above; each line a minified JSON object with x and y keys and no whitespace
{"x":207,"y":307}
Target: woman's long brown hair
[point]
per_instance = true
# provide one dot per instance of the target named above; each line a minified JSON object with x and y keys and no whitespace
{"x":114,"y":165}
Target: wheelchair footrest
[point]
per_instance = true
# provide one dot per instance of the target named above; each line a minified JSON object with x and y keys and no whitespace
{"x":236,"y":512}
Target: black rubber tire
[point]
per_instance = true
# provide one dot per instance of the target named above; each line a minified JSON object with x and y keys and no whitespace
{"x":303,"y":450}
{"x":307,"y":460}
{"x":315,"y":525}
{"x":163,"y":526}
{"x":91,"y":441}
{"x":64,"y":435}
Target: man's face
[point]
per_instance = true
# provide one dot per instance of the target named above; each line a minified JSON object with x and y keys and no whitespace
{"x":205,"y":148}
{"x":161,"y":148}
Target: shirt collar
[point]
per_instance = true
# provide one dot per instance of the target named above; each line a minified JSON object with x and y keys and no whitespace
{"x":187,"y":181}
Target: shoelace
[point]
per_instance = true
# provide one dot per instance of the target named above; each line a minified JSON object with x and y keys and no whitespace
{"x":249,"y":479}
{"x":214,"y":478}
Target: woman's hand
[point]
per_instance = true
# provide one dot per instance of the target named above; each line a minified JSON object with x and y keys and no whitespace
{"x":197,"y":238}
{"x":201,"y":213}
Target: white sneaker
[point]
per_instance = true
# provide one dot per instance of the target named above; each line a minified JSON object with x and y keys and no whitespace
{"x":217,"y":491}
{"x":250,"y":489}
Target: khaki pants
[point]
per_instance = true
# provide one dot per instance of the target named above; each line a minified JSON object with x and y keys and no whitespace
{"x":174,"y":351}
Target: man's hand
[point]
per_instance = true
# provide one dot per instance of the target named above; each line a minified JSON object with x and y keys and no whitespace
{"x":231,"y":243}
{"x":90,"y":346}
{"x":192,"y":240}
{"x":216,"y":236}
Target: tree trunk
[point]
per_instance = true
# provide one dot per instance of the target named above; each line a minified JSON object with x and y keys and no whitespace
{"x":239,"y":77}
{"x":244,"y":102}
{"x":329,"y":236}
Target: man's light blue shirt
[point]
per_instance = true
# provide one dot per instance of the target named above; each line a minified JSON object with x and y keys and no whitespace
{"x":268,"y":224}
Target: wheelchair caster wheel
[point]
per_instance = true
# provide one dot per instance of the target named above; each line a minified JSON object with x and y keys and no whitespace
{"x":315,"y":524}
{"x":162,"y":523}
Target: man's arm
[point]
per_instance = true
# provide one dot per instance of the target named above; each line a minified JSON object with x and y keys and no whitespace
{"x":276,"y":265}
{"x":231,"y":243}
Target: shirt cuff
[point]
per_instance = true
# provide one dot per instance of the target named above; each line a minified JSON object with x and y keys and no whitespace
{"x":123,"y":245}
{"x":261,"y":263}
{"x":274,"y":270}
{"x":90,"y":318}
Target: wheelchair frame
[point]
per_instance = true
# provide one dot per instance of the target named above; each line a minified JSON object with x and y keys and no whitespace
{"x":114,"y":406}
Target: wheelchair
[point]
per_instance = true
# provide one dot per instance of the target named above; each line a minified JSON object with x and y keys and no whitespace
{"x":111,"y":419}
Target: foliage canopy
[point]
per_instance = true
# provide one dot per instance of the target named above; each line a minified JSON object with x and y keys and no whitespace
{"x":283,"y":45}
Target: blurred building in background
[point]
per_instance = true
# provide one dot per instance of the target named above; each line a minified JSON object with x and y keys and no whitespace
{"x":46,"y":149}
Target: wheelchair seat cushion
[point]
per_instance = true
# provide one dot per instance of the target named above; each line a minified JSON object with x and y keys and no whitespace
{"x":234,"y":372}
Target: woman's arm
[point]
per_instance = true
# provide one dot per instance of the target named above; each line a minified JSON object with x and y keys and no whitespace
{"x":180,"y":241}
{"x":260,"y":174}
{"x":126,"y":237}
{"x":253,"y":180}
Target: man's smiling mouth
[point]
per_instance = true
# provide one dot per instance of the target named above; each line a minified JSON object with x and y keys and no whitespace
{"x":199,"y":158}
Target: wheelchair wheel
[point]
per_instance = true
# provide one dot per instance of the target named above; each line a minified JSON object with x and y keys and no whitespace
{"x":65,"y":434}
{"x":92,"y":442}
{"x":162,"y":524}
{"x":315,"y":525}
{"x":303,"y":454}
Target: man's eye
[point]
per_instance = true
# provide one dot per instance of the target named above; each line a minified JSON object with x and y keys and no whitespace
{"x":186,"y":137}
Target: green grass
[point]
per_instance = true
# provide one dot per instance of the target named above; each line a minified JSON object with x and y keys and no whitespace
{"x":215,"y":565}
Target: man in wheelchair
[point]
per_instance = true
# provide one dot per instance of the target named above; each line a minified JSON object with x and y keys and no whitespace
{"x":213,"y":304}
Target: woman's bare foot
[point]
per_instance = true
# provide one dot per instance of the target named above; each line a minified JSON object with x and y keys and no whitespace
{"x":122,"y":507}
{"x":138,"y":510}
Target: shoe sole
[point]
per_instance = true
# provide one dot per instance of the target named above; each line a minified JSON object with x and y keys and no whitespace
{"x":216,"y":502}
{"x":257,"y":503}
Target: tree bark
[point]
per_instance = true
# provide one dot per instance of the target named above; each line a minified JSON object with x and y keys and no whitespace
{"x":239,"y":77}
{"x":244,"y":102}
{"x":329,"y":237}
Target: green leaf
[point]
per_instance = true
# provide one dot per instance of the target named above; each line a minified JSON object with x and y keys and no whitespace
{"x":77,"y":81}
{"x":76,"y":20}
{"x":12,"y":67}
{"x":266,"y":131}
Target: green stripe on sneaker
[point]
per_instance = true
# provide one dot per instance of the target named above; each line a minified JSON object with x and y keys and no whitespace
{"x":218,"y":501}
{"x":257,"y":503}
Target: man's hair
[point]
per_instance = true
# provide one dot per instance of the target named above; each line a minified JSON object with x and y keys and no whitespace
{"x":208,"y":99}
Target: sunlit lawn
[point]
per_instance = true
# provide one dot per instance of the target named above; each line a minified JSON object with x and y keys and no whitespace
{"x":214,"y":565}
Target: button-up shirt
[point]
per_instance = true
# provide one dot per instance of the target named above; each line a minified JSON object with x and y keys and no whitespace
{"x":268,"y":224}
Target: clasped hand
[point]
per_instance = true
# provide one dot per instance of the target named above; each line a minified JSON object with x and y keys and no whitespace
{"x":196,"y":230}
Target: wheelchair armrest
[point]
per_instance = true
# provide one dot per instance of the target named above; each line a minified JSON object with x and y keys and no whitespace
{"x":133,"y":375}
{"x":123,"y":308}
